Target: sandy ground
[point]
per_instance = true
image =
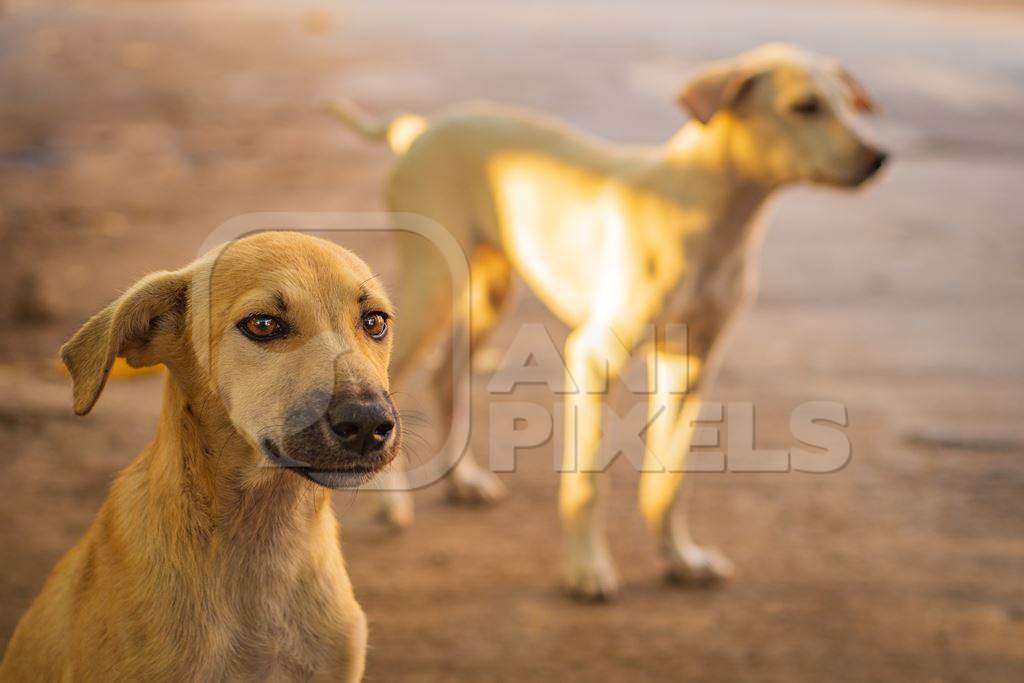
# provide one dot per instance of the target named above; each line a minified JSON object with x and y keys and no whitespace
{"x":128,"y":132}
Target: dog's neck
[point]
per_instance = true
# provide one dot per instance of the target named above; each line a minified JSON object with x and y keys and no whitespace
{"x":231,"y":509}
{"x":724,"y":148}
{"x":721,"y":176}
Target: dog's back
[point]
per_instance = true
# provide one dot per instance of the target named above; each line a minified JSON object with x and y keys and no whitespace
{"x":528,"y":185}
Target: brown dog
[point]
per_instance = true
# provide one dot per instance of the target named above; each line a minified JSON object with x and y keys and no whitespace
{"x":212,"y":559}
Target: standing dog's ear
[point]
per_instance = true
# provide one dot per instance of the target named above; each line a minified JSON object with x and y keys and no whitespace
{"x":721,"y":85}
{"x":133,"y":327}
{"x":860,"y":100}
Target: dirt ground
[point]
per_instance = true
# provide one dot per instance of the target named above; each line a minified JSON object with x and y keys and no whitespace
{"x":129,"y":132}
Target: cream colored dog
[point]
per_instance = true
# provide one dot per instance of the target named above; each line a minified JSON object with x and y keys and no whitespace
{"x":216,"y":555}
{"x":614,"y":239}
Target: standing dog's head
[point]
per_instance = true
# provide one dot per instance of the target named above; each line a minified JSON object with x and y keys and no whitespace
{"x":287,"y":336}
{"x":794,"y":114}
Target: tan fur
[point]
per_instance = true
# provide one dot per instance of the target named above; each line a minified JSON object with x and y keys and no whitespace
{"x":615,"y":238}
{"x":204,"y":563}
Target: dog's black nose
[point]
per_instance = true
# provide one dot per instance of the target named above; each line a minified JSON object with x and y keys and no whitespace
{"x":877,"y":162}
{"x":873,"y":161}
{"x":363,"y":427}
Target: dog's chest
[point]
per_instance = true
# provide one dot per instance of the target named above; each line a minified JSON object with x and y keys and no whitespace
{"x":274,"y":628}
{"x":265,"y":642}
{"x":719,"y":272}
{"x":714,"y":287}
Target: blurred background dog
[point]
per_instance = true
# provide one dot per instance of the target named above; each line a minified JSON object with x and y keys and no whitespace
{"x":130,"y":129}
{"x":614,"y":240}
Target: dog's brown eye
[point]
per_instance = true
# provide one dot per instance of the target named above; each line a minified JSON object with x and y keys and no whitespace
{"x":262,"y":327}
{"x":807,"y":107}
{"x":375,"y":324}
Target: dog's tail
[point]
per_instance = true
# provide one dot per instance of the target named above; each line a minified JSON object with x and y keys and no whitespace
{"x":399,"y":132}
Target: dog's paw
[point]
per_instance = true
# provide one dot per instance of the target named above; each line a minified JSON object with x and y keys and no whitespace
{"x":396,"y":512}
{"x":475,"y":486}
{"x":592,"y":581}
{"x":693,"y":565}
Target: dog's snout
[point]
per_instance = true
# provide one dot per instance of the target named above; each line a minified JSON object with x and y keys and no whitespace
{"x":363,"y":427}
{"x":878,"y":160}
{"x":874,"y":159}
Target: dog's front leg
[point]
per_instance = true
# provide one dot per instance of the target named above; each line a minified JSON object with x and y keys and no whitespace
{"x":674,"y":406}
{"x":589,"y":569}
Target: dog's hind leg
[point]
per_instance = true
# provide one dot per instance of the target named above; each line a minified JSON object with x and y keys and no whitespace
{"x":490,"y":279}
{"x":424,"y":310}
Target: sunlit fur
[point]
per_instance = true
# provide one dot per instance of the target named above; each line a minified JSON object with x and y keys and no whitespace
{"x":614,"y":238}
{"x":204,"y":563}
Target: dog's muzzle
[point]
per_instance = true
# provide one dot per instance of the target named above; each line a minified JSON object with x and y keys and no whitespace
{"x":876,"y":160}
{"x":354,"y":439}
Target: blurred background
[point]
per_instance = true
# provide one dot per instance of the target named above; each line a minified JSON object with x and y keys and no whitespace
{"x":130,"y":130}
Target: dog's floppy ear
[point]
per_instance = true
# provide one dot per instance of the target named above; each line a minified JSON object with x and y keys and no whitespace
{"x":860,"y":100}
{"x":721,"y":85}
{"x":133,"y":327}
